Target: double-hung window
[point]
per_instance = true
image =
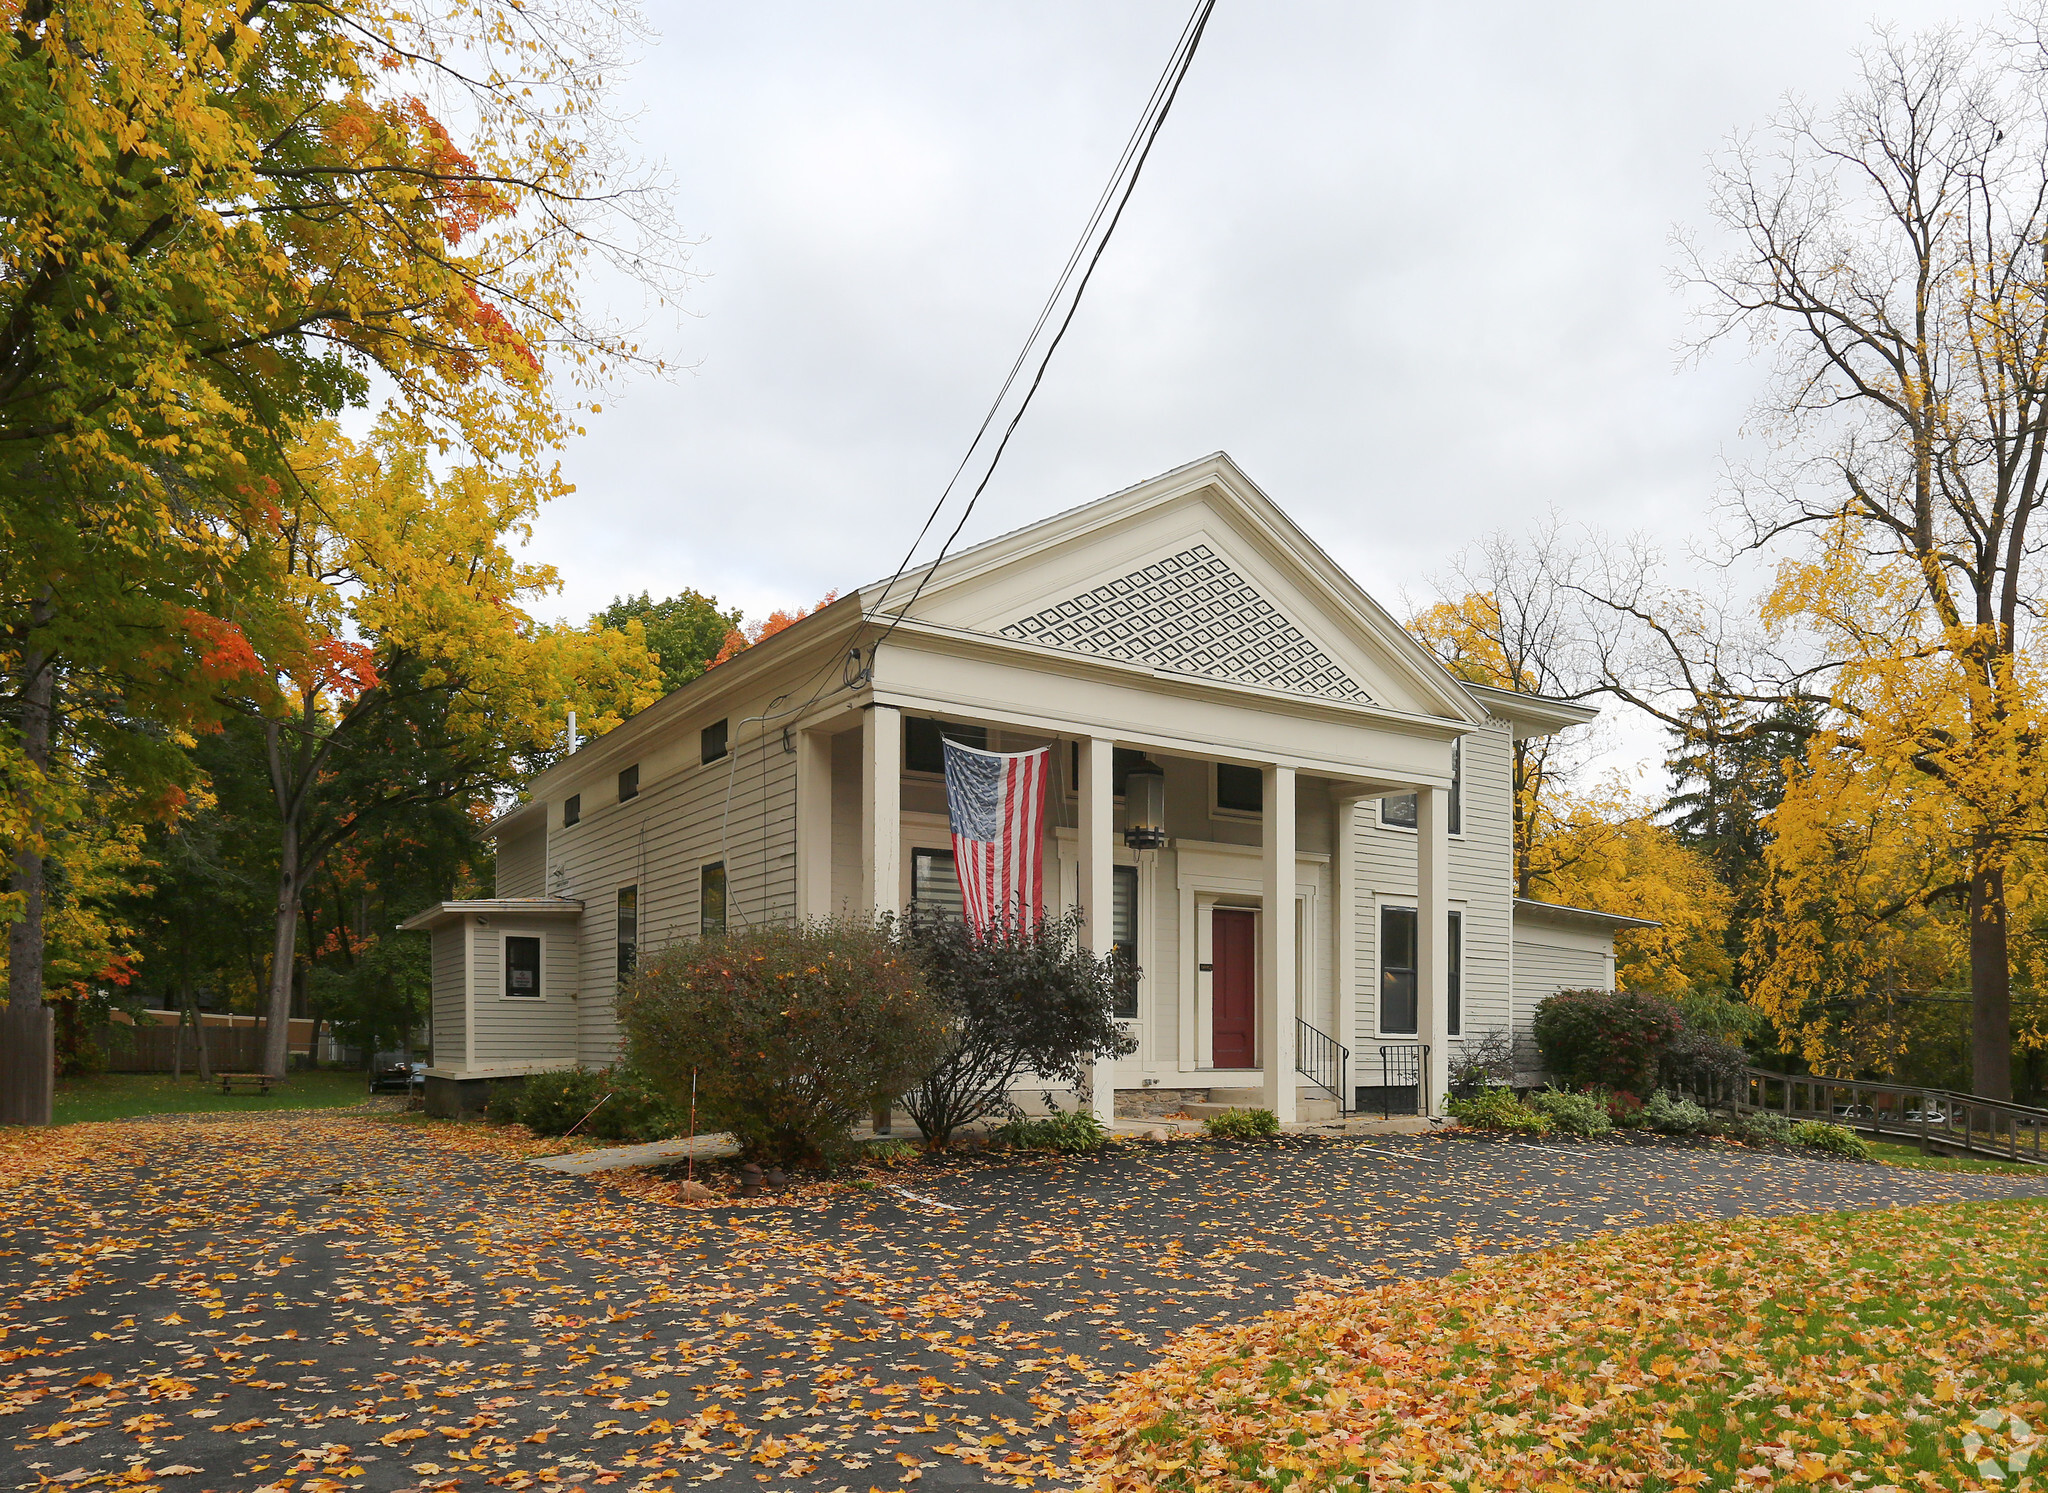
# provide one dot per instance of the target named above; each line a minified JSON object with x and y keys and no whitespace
{"x":711,"y":898}
{"x":1398,"y":996}
{"x":629,"y":929}
{"x":1124,"y":936}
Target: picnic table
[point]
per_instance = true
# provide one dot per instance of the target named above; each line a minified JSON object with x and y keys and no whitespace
{"x":231,"y":1082}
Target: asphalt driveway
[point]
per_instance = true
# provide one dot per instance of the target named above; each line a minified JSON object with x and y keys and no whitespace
{"x":338,"y":1302}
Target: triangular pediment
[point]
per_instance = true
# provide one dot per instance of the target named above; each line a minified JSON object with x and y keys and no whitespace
{"x":1195,"y":573}
{"x":1192,"y":612}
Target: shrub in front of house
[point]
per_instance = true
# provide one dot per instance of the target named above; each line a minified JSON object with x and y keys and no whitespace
{"x":1836,"y":1140}
{"x":1761,"y":1126}
{"x":1481,"y":1063}
{"x":794,"y":1031}
{"x":1497,"y":1109}
{"x":1623,"y":1108}
{"x":1669,"y":1114}
{"x":1571,"y":1114}
{"x":1062,"y":1130}
{"x":1611,"y":1039}
{"x":1242,"y":1124}
{"x":548,"y":1103}
{"x":614,"y":1104}
{"x":1019,"y":1001}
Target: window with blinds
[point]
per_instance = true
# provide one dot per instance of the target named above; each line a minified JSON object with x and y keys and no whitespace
{"x":933,"y":882}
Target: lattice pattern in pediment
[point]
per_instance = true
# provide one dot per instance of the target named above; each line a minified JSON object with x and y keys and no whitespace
{"x":1191,"y":613}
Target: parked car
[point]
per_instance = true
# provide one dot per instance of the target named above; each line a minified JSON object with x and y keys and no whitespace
{"x":1854,"y":1112}
{"x":1935,"y":1114}
{"x":397,"y":1076}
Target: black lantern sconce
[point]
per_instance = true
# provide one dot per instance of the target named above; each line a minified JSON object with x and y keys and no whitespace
{"x":1145,"y":805}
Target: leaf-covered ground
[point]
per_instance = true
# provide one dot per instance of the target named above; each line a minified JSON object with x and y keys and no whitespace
{"x":1883,"y":1352}
{"x":321,"y":1302}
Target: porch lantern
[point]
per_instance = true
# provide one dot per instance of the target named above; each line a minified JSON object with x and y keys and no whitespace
{"x":1145,"y":805}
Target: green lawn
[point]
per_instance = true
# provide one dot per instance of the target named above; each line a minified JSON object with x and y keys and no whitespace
{"x":116,"y":1096}
{"x":1896,"y":1155}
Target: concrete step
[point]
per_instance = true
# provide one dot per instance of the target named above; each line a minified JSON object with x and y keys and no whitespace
{"x":1308,"y":1106}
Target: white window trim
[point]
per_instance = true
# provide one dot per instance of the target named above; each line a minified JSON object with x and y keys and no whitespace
{"x":540,"y":996}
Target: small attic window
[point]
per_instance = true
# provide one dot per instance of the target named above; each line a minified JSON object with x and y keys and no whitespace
{"x":572,"y":809}
{"x":713,"y":740}
{"x":629,"y":783}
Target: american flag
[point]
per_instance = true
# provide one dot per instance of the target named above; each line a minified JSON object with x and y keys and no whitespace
{"x":996,"y":802}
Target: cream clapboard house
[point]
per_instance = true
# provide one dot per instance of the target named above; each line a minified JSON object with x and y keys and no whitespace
{"x":1331,"y":912}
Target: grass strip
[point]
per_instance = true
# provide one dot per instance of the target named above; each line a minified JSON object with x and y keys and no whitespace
{"x":1851,"y":1350}
{"x":121,"y":1096}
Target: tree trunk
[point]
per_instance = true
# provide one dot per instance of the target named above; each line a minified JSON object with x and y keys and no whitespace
{"x":283,"y":956}
{"x":189,"y":999}
{"x":28,"y":1049}
{"x":1990,"y":982}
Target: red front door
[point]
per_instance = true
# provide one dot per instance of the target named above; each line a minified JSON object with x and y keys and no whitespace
{"x":1230,"y":988}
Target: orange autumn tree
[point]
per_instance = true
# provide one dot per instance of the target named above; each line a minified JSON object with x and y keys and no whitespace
{"x":739,"y":639}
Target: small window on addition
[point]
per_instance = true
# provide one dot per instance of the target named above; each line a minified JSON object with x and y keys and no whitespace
{"x":572,"y":809}
{"x":711,"y":898}
{"x":1240,"y":790}
{"x":629,"y":783}
{"x":522,"y":968}
{"x":629,"y":928}
{"x":714,"y":741}
{"x":1399,"y":810}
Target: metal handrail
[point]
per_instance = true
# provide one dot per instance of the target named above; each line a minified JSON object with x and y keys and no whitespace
{"x":1968,"y":1122}
{"x":1411,"y":1061}
{"x":1322,"y":1060}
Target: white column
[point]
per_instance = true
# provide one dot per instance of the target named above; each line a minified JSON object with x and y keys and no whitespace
{"x":813,"y":824}
{"x":1097,"y":853}
{"x":1276,"y":952}
{"x":1344,"y":928}
{"x":881,"y":808}
{"x":1433,"y":935}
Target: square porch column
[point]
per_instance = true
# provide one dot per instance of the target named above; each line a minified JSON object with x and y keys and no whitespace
{"x":1344,"y":929}
{"x":813,"y":824}
{"x":1433,"y":937}
{"x":1276,"y":954}
{"x":881,"y":809}
{"x":1097,"y":853}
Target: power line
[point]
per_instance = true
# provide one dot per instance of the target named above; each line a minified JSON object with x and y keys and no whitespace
{"x":1123,"y":181}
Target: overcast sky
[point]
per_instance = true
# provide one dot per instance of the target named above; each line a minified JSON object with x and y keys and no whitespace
{"x":1409,"y":265}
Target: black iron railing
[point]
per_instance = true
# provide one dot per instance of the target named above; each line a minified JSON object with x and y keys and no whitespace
{"x":1932,"y":1117}
{"x":1403,"y":1087}
{"x":1323,"y":1061}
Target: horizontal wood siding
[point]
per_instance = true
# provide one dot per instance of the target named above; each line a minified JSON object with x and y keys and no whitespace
{"x":1482,"y":889}
{"x":448,"y":1034}
{"x":741,"y":810}
{"x":512,"y":1031}
{"x":523,"y":864}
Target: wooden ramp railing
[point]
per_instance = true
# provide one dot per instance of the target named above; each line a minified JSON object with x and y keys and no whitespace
{"x":1931,"y":1117}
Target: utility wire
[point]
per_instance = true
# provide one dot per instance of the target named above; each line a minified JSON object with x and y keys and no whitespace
{"x":1123,"y":181}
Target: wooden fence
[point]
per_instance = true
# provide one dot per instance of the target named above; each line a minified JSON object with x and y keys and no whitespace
{"x":1934,"y":1118}
{"x":149,"y":1048}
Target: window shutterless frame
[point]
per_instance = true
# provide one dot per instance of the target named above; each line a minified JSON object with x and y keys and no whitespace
{"x":521,"y":955}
